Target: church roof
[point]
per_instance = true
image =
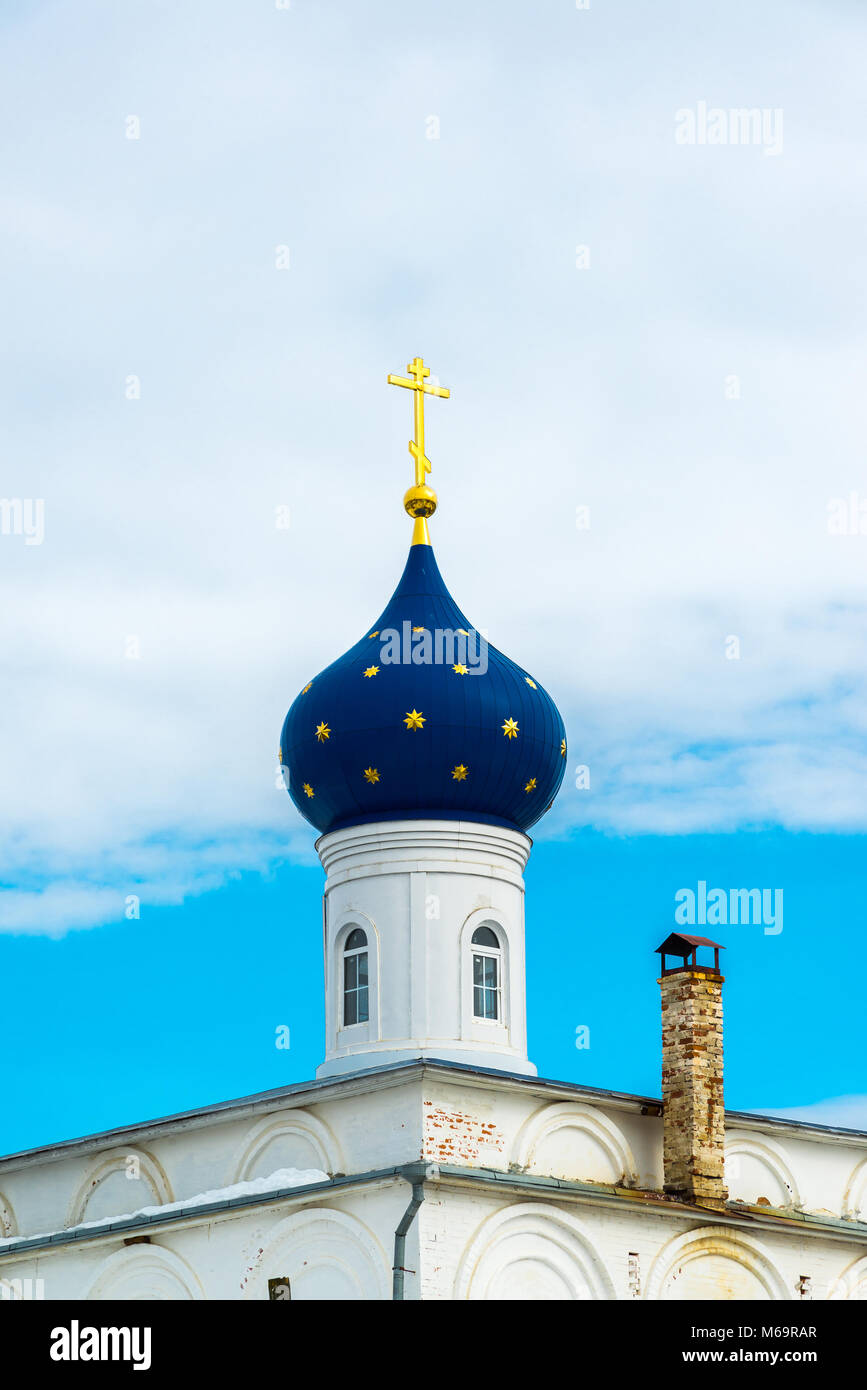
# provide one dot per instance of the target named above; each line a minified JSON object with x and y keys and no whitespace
{"x":421,"y":717}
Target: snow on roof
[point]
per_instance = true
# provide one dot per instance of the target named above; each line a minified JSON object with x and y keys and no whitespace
{"x":275,"y":1182}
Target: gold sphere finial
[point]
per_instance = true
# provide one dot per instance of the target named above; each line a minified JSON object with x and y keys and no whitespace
{"x":420,"y":501}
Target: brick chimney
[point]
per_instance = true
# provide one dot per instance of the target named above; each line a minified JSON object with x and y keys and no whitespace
{"x":693,"y":1125}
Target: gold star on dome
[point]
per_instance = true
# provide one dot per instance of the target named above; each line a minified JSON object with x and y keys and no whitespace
{"x":460,"y":668}
{"x":372,"y":671}
{"x":306,"y":688}
{"x":414,"y":719}
{"x":510,"y":729}
{"x":373,"y":634}
{"x":531,"y":785}
{"x":371,"y":775}
{"x":418,"y":629}
{"x":280,"y":756}
{"x":463,"y":632}
{"x":322,"y":732}
{"x":532,"y":684}
{"x":562,"y":748}
{"x":459,"y":773}
{"x":308,"y":789}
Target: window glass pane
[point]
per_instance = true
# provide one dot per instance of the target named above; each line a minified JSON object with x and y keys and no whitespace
{"x":355,"y":995}
{"x":483,"y":936}
{"x":355,"y":940}
{"x":485,"y":994}
{"x":350,"y":1008}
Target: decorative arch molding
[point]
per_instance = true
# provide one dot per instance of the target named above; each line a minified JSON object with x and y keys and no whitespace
{"x":486,"y":917}
{"x":855,"y":1199}
{"x":353,"y":917}
{"x":770,"y":1155}
{"x":148,"y":1172}
{"x":587,"y":1121}
{"x":8,"y":1224}
{"x":287,"y":1125}
{"x":325,"y":1254}
{"x":710,"y":1241}
{"x":851,"y":1284}
{"x":534,"y":1241}
{"x":144,"y":1272}
{"x":338,"y":931}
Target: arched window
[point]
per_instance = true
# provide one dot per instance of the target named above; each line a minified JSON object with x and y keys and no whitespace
{"x":355,"y":986}
{"x":487,"y":957}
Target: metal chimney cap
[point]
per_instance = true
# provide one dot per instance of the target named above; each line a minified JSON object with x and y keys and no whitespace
{"x":678,"y":944}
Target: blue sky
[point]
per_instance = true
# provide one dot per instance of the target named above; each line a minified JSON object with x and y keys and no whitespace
{"x":670,"y":336}
{"x":124,"y":1031}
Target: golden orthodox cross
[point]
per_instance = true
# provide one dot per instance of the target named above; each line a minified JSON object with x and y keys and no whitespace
{"x":416,"y":382}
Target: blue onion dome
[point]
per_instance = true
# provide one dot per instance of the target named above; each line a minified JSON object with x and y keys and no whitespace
{"x":423,"y":719}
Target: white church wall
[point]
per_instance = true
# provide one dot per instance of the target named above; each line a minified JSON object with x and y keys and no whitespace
{"x":475,"y":1245}
{"x":287,"y":1139}
{"x":120,"y":1179}
{"x":577,"y":1142}
{"x":384,"y":1129}
{"x":532,"y":1250}
{"x":8,"y":1221}
{"x":825,"y":1174}
{"x":469,"y":1123}
{"x":462,"y":1120}
{"x":465,"y":1243}
{"x":757,"y":1171}
{"x":452,"y":1118}
{"x":464,"y":1127}
{"x":715,"y":1263}
{"x":643,"y":1135}
{"x":337,"y":1250}
{"x":326,"y":1252}
{"x":145,"y":1272}
{"x":851,"y":1283}
{"x":418,"y":889}
{"x":40,"y":1195}
{"x":809,"y":1171}
{"x":115,"y":1177}
{"x":855,"y":1195}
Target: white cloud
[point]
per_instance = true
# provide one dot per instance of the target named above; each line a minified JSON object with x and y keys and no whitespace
{"x":602,"y":387}
{"x":843,"y":1112}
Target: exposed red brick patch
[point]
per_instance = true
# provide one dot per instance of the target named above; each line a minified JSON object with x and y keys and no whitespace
{"x":453,"y":1136}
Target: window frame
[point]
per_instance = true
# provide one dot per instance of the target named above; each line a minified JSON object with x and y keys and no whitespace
{"x":352,"y":954}
{"x":494,"y":954}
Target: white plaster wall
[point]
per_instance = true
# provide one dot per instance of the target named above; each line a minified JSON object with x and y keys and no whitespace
{"x":465,"y":1244}
{"x":337,"y":1250}
{"x":366,"y":1124}
{"x":418,"y":889}
{"x":345,"y":1135}
{"x":474,"y":1246}
{"x":361,"y":1126}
